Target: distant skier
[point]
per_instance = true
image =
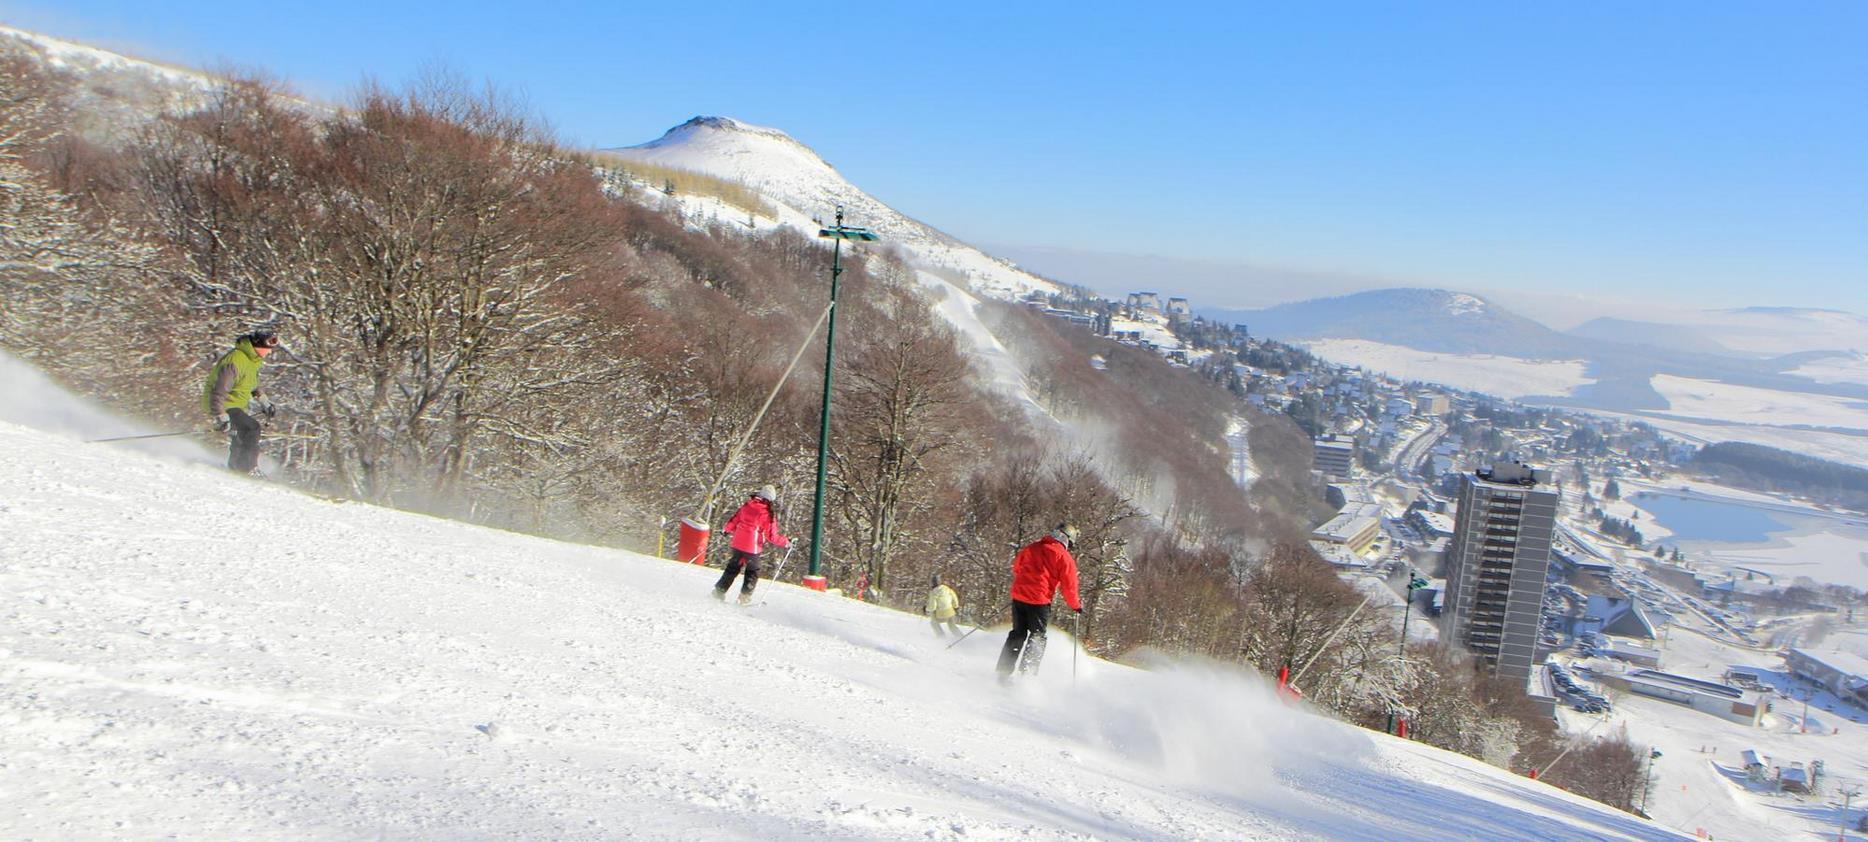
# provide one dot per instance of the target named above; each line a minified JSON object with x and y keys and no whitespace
{"x":752,"y":527}
{"x":231,"y":396}
{"x":1042,"y":568}
{"x":942,"y":604}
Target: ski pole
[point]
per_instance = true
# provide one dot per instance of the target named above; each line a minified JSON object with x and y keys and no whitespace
{"x":148,"y":436}
{"x":781,"y":563}
{"x":970,"y":632}
{"x":1076,"y":637}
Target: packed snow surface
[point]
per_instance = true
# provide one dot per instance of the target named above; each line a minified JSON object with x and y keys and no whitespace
{"x":189,"y":654}
{"x":1506,"y":377}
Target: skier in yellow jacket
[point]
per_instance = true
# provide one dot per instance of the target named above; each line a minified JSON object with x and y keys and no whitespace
{"x":942,"y":603}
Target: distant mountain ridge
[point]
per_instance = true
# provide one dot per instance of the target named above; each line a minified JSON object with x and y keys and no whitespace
{"x":1424,"y":319}
{"x":1657,"y":334}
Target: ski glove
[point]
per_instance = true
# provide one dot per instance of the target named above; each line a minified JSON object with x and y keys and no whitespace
{"x":266,"y":408}
{"x":220,"y":423}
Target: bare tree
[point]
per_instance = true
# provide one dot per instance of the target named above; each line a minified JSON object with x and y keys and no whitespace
{"x":894,"y":415}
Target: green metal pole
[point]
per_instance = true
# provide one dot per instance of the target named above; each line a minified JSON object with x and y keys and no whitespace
{"x":1407,"y":607}
{"x":1648,"y":780}
{"x":823,"y":430}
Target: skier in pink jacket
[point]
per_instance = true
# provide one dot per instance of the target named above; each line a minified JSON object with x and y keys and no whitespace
{"x":752,"y":527}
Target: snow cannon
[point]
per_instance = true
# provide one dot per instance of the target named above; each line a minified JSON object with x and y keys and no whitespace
{"x":691,"y":548}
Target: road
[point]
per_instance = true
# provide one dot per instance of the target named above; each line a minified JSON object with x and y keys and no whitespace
{"x":1416,"y":449}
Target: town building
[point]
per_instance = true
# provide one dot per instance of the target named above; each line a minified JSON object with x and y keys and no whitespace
{"x":1431,"y":524}
{"x":1617,"y":616}
{"x":1721,"y":700}
{"x":1334,"y":457}
{"x":1497,"y":563}
{"x":1145,"y":301}
{"x":1179,"y":307}
{"x":1841,"y":673}
{"x":1350,"y":529}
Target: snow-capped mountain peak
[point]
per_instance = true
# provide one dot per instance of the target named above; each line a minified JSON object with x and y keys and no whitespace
{"x":760,"y":154}
{"x":796,"y":178}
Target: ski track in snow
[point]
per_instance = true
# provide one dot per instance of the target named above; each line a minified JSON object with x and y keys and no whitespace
{"x":189,"y":653}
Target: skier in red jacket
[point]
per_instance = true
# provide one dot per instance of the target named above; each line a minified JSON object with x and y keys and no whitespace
{"x":1042,"y":568}
{"x":752,"y":527}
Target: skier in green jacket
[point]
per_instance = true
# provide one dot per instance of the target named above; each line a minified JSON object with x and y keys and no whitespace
{"x":231,"y":397}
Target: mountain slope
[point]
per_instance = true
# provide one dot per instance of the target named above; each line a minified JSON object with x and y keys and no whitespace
{"x":193,"y":654}
{"x":116,"y":93}
{"x":792,"y":175}
{"x":1423,"y":319}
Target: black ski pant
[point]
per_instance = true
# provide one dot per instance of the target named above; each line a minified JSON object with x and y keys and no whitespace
{"x":1028,"y":622}
{"x":740,"y":559}
{"x":243,"y":445}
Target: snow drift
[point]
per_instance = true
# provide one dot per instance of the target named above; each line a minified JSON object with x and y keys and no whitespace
{"x":189,"y":653}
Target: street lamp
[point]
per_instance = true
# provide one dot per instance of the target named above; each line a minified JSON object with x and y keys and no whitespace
{"x":1647,"y":778}
{"x":1414,"y":583}
{"x":837,"y":233}
{"x":1848,"y":799}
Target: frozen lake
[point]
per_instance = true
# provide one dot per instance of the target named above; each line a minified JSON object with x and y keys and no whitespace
{"x":1775,"y":538}
{"x":1698,"y":520}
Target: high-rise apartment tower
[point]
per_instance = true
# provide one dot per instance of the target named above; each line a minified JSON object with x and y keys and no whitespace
{"x":1496,"y":564}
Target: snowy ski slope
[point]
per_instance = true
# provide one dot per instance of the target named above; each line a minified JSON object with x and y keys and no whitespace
{"x":189,"y":654}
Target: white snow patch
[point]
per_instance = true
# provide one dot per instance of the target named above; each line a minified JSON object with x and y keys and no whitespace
{"x":1239,"y":442}
{"x":961,"y":310}
{"x":1461,"y":304}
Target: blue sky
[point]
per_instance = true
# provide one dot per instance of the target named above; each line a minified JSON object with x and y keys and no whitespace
{"x":1687,"y":152}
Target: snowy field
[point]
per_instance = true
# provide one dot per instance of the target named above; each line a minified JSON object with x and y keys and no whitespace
{"x":1699,"y":782}
{"x":1820,"y":551}
{"x":1707,"y":399}
{"x":1852,"y":368}
{"x":188,"y":654}
{"x":1506,"y":377}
